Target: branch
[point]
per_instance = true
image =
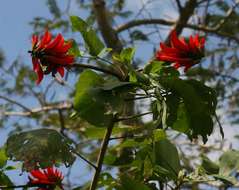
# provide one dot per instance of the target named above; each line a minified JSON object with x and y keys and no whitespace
{"x":103,"y":70}
{"x":185,"y":13}
{"x":62,"y":131}
{"x":18,"y":186}
{"x":133,"y":116}
{"x":83,"y":158}
{"x":140,"y":22}
{"x":179,"y":5}
{"x":15,"y":102}
{"x":108,"y":33}
{"x":219,"y":124}
{"x":59,"y":106}
{"x":101,"y":156}
{"x":228,"y":15}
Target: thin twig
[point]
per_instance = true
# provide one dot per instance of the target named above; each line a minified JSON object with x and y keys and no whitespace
{"x":87,"y":66}
{"x":133,"y":116}
{"x":62,"y":106}
{"x":83,"y":158}
{"x":228,"y":15}
{"x":18,"y":186}
{"x":203,"y":28}
{"x":15,"y":102}
{"x":62,"y":131}
{"x":101,"y":156}
{"x":220,"y":125}
{"x":179,"y":5}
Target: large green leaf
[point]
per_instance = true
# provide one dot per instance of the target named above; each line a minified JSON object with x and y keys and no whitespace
{"x":199,"y":104}
{"x":42,"y":146}
{"x":131,"y":184}
{"x":90,"y":37}
{"x":96,"y":100}
{"x":166,"y":156}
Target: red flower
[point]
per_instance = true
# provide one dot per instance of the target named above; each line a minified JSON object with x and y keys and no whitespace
{"x":50,"y":56}
{"x":181,"y":53}
{"x":46,"y":179}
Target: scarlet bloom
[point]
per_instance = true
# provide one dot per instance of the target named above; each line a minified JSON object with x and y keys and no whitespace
{"x":50,"y":55}
{"x":46,"y":179}
{"x":180,"y":52}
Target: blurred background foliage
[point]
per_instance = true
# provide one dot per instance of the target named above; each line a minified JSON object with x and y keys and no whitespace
{"x":25,"y":106}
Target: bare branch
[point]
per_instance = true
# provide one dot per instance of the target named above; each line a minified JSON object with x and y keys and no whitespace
{"x":185,"y":13}
{"x":109,"y":35}
{"x":228,"y":15}
{"x":133,"y":116}
{"x":59,"y":106}
{"x":101,"y":156}
{"x":16,"y":103}
{"x":179,"y":5}
{"x":140,"y":22}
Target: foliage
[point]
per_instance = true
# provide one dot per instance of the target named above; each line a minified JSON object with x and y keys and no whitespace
{"x":99,"y":113}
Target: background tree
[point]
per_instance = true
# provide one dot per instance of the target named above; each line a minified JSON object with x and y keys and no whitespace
{"x":157,"y":151}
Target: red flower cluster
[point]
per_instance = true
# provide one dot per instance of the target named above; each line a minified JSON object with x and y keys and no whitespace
{"x":50,"y":56}
{"x":46,"y":179}
{"x":181,"y":53}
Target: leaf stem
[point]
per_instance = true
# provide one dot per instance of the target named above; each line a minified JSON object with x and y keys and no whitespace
{"x":103,"y":70}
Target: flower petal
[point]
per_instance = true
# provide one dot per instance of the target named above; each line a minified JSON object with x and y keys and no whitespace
{"x":61,"y":71}
{"x":175,"y":42}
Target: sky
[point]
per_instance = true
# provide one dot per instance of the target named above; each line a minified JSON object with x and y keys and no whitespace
{"x":15,"y":34}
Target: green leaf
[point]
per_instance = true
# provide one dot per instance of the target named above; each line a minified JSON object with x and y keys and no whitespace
{"x":95,"y":102}
{"x":182,"y":122}
{"x":131,"y":184}
{"x":199,"y":103}
{"x":74,"y":50}
{"x":3,"y":158}
{"x":90,"y":37}
{"x":210,"y":166}
{"x":137,"y":77}
{"x":227,"y":180}
{"x":166,"y":156}
{"x":229,"y":162}
{"x":42,"y":146}
{"x":138,"y":35}
{"x":159,"y":134}
{"x":127,"y":55}
{"x":154,"y":67}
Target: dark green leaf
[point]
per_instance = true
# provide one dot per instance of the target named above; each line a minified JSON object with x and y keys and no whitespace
{"x":210,"y":166}
{"x":166,"y":156}
{"x":138,"y":35}
{"x":42,"y":146}
{"x":130,"y":184}
{"x":95,"y":102}
{"x":90,"y":37}
{"x":199,"y":101}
